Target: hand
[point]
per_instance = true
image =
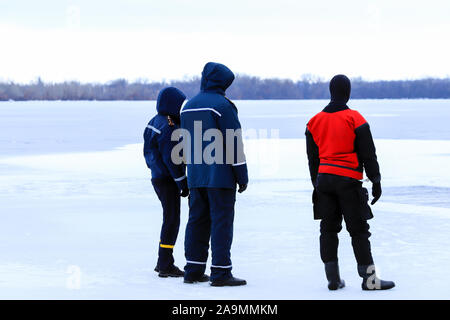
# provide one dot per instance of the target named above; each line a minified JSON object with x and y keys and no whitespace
{"x":184,"y":192}
{"x":376,"y":192}
{"x":242,"y":188}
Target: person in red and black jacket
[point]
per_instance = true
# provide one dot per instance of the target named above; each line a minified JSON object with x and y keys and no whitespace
{"x":340,"y":147}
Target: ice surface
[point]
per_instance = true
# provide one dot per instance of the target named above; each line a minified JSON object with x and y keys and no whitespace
{"x":42,"y":127}
{"x":94,"y":214}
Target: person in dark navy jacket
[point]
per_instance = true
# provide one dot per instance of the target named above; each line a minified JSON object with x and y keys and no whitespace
{"x":169,"y":179}
{"x":210,"y":118}
{"x":340,"y":147}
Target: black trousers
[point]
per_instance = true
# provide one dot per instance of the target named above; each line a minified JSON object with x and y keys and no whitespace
{"x":341,"y":198}
{"x":169,"y":195}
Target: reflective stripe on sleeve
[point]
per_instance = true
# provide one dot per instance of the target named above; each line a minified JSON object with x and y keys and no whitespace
{"x":180,"y":178}
{"x":154,"y":129}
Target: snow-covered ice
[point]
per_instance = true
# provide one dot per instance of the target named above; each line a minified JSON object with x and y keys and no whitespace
{"x":86,"y":225}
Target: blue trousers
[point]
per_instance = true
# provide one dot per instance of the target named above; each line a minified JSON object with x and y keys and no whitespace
{"x":211,"y":216}
{"x":169,"y":195}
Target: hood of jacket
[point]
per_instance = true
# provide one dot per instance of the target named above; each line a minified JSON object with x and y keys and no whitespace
{"x":216,"y":78}
{"x":170,"y":101}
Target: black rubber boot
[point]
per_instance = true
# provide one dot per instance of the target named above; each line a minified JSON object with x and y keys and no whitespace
{"x":334,"y":280}
{"x":230,"y":282}
{"x":156,"y":269}
{"x":173,"y":272}
{"x":370,"y":279}
{"x":203,"y":278}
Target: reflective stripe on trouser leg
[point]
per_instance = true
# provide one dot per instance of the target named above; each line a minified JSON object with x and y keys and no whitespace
{"x":168,"y":194}
{"x":196,"y":243}
{"x":222,"y":267}
{"x":166,"y":246}
{"x":195,"y":262}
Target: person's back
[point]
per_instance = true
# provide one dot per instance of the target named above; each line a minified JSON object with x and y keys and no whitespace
{"x":210,"y":109}
{"x":168,"y":178}
{"x":215,"y":165}
{"x":157,"y":137}
{"x":339,"y":139}
{"x":335,"y":133}
{"x":340,"y":147}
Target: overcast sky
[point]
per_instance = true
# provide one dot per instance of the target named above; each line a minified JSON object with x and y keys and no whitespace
{"x":172,"y":39}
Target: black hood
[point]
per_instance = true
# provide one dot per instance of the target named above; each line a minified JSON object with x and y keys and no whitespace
{"x":216,"y":77}
{"x":340,"y":88}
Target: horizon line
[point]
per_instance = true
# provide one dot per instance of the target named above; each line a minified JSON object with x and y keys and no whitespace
{"x":310,"y":78}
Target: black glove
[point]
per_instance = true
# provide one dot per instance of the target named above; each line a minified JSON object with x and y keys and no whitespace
{"x":184,"y":192}
{"x":242,"y":188}
{"x":376,"y":192}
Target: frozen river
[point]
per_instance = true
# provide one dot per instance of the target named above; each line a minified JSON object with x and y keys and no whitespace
{"x":79,"y":218}
{"x":53,"y":127}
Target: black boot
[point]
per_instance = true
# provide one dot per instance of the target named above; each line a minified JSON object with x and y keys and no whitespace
{"x":230,"y":282}
{"x":334,"y":280}
{"x":156,"y":269}
{"x":173,"y":272}
{"x":203,"y":278}
{"x":370,"y":279}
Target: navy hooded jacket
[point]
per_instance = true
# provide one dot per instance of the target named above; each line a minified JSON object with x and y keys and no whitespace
{"x":157,"y":138}
{"x":213,"y":110}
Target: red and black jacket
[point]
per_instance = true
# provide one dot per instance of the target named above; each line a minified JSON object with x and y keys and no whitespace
{"x":339,"y":142}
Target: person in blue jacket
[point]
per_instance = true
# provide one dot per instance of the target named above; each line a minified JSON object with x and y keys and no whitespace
{"x":168,"y":179}
{"x":212,"y":184}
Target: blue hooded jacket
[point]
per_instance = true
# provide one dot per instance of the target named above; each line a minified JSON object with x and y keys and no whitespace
{"x":213,"y":110}
{"x":157,"y":138}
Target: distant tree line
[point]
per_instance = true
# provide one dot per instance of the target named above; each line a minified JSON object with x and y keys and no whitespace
{"x":244,"y":87}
